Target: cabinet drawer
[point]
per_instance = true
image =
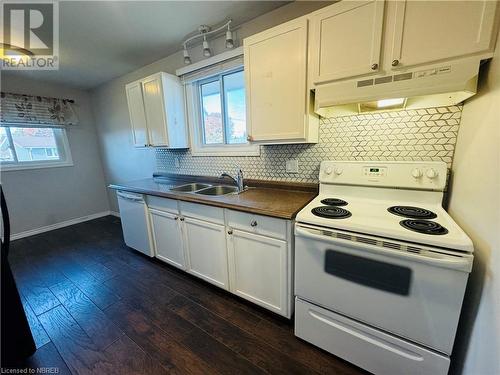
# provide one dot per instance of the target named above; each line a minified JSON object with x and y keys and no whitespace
{"x":264,"y":225}
{"x":163,"y":204}
{"x":202,"y":212}
{"x":366,"y":347}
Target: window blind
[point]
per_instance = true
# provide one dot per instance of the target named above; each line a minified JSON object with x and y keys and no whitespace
{"x":35,"y":111}
{"x":212,"y":70}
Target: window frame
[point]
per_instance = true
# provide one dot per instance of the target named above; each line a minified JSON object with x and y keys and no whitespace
{"x":62,"y":150}
{"x":196,"y":123}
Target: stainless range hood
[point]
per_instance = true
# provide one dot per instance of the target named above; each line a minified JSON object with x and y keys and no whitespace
{"x":443,"y":84}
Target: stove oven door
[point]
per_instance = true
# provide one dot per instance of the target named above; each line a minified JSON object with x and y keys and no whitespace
{"x":416,"y":296}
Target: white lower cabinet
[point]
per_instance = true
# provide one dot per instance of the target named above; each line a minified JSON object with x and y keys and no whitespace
{"x":167,"y":238}
{"x":250,"y":255}
{"x":206,"y":251}
{"x":258,"y":269}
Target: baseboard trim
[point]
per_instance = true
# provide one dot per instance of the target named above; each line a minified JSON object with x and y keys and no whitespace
{"x":62,"y":224}
{"x":114,"y":213}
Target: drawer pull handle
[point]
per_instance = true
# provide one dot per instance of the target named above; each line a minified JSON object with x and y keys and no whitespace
{"x":182,"y":219}
{"x":176,"y":218}
{"x":253,"y":223}
{"x":395,"y":62}
{"x":374,"y":66}
{"x":230,"y":231}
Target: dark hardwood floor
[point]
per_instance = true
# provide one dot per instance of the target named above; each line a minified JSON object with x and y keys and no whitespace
{"x":97,"y":307}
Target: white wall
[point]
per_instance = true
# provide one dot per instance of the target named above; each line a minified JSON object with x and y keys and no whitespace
{"x":475,"y":205}
{"x":122,"y":162}
{"x":41,"y":197}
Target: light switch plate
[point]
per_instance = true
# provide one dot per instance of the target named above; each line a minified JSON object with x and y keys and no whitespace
{"x":292,"y":166}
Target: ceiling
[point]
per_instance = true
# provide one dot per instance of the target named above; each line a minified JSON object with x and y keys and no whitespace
{"x":103,"y":40}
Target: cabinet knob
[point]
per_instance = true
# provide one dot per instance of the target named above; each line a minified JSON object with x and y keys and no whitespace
{"x":395,"y":62}
{"x":230,"y":231}
{"x":176,"y":218}
{"x":249,"y":138}
{"x":374,"y":66}
{"x":253,"y":223}
{"x":182,"y":219}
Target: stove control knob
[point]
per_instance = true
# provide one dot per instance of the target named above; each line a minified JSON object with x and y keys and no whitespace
{"x":328,"y":170}
{"x":417,"y":173}
{"x":338,"y":171}
{"x":431,"y":173}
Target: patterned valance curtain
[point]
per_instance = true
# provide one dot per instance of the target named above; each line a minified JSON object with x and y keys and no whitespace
{"x":35,"y":111}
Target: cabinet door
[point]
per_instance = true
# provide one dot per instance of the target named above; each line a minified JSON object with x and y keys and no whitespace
{"x":258,"y":269}
{"x":275,"y":75}
{"x":206,"y":251}
{"x":137,"y":115}
{"x":154,"y":106}
{"x":167,"y":238}
{"x":346,"y":40}
{"x":429,"y":31}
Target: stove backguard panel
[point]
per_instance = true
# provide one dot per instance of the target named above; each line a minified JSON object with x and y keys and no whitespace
{"x":414,"y":135}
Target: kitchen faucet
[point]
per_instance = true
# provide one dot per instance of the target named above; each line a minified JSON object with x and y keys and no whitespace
{"x":238,"y":181}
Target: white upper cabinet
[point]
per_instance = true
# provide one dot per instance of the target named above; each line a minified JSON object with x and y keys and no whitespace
{"x":137,"y":115}
{"x":156,"y":109}
{"x":278,"y":102}
{"x":430,"y":31}
{"x":346,"y":40}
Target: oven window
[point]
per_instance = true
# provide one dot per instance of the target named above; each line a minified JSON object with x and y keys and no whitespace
{"x":368,"y":272}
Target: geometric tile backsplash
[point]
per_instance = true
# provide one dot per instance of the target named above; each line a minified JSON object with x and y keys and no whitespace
{"x":421,"y":134}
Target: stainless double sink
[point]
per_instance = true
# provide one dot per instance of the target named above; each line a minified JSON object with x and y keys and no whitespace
{"x":205,"y":189}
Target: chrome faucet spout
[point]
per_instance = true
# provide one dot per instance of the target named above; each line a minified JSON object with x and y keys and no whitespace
{"x":238,"y":181}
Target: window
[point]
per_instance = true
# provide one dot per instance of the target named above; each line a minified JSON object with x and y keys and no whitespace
{"x":223,"y":109}
{"x":25,"y":148}
{"x":217,"y":115}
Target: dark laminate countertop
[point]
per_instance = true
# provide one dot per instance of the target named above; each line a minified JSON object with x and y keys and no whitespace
{"x":280,"y":200}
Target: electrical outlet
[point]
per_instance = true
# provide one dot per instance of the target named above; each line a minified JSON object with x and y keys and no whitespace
{"x":292,"y":166}
{"x":177,"y":163}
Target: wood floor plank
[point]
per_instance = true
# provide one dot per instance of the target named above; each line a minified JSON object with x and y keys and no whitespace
{"x":199,"y":342}
{"x":46,"y":357}
{"x":169,"y":321}
{"x":40,"y":298}
{"x":93,"y":321}
{"x":172,"y":355}
{"x":128,"y":358}
{"x":39,"y":335}
{"x":75,"y":346}
{"x":94,"y":289}
{"x":255,"y":350}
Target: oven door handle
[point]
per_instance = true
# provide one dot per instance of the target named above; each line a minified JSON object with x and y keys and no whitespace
{"x":460,"y":262}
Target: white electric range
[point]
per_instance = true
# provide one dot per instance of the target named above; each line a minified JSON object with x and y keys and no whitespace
{"x":380,"y":267}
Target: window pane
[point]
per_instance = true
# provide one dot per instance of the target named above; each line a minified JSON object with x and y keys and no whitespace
{"x":234,"y":87}
{"x":212,"y":113}
{"x":5,"y":151}
{"x":31,"y":144}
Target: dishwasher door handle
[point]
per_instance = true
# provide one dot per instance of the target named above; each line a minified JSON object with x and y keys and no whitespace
{"x":129,"y":197}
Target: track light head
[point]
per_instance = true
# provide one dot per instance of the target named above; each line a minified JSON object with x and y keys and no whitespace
{"x":206,"y":48}
{"x":187,"y":59}
{"x":229,"y":38}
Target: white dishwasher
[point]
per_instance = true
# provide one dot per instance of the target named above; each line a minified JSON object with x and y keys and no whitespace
{"x":135,"y":222}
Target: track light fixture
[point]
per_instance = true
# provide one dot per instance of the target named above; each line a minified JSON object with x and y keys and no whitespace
{"x":206,"y":47}
{"x":187,"y":59}
{"x":229,"y":37}
{"x":203,"y":32}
